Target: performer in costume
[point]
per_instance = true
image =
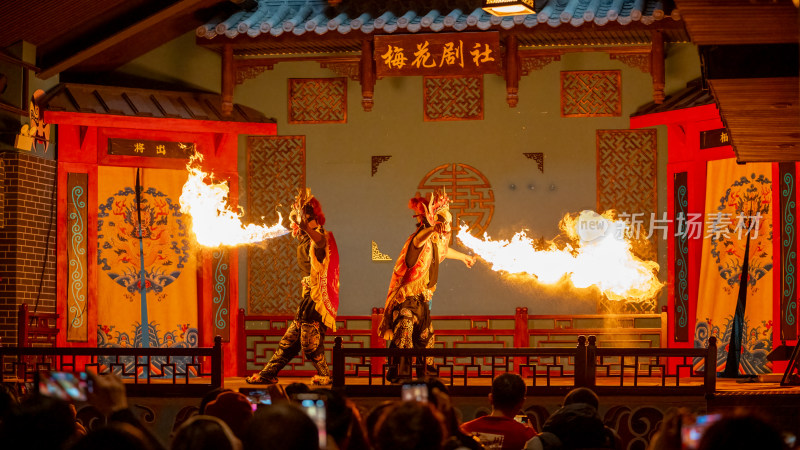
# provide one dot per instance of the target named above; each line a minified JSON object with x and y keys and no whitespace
{"x":406,"y":318}
{"x":318,"y":258}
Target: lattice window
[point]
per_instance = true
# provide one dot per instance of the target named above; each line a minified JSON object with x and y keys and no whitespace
{"x":591,"y":93}
{"x":626,"y":182}
{"x":453,"y":98}
{"x":317,"y":100}
{"x":276,"y":168}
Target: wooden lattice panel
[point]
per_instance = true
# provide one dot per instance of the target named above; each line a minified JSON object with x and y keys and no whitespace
{"x":453,"y":98}
{"x":276,"y":168}
{"x":626,"y":182}
{"x":317,"y":100}
{"x":591,"y":93}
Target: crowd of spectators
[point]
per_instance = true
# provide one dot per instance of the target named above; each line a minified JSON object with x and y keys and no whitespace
{"x":300,"y":418}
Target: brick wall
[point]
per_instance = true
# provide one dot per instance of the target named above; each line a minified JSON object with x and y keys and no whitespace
{"x":27,"y":238}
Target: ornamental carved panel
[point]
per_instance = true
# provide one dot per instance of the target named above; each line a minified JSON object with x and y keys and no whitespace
{"x":317,"y":100}
{"x":591,"y":93}
{"x":471,"y":194}
{"x":626,"y":182}
{"x":276,"y":167}
{"x":452,"y":98}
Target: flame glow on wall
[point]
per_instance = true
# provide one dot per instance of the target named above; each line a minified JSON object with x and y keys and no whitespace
{"x":213,"y":222}
{"x":598,"y":255}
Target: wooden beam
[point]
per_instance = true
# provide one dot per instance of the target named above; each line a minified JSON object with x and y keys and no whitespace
{"x":367,"y":75}
{"x":228,"y":77}
{"x":513,"y":72}
{"x":129,"y":32}
{"x":657,"y":67}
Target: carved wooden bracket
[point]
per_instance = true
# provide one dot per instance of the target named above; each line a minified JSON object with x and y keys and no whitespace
{"x":345,"y":68}
{"x":377,"y":160}
{"x":638,"y":59}
{"x":538,"y":157}
{"x":246,"y":69}
{"x":535,"y":60}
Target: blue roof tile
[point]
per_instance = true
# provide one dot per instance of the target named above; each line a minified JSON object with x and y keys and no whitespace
{"x":299,"y":17}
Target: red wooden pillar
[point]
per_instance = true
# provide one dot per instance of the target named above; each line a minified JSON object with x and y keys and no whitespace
{"x":521,"y":339}
{"x":657,"y":66}
{"x":367,"y":75}
{"x":512,"y":70}
{"x":228,"y":77}
{"x":375,"y":341}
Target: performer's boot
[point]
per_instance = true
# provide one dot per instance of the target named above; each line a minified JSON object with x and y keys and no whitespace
{"x":323,"y":376}
{"x":287,"y":349}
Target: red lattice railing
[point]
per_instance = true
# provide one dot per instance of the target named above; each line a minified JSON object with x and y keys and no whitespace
{"x":261,"y":334}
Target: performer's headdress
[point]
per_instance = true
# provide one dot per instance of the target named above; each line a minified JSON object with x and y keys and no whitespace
{"x":305,"y":203}
{"x":426,"y":210}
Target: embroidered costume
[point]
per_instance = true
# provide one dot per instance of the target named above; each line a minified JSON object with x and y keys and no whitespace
{"x":406,"y":319}
{"x":318,"y":258}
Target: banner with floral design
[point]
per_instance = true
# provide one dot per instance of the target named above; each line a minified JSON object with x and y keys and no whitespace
{"x":737,"y":225}
{"x":164,"y":313}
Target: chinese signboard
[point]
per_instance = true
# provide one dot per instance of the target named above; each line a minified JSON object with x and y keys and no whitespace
{"x":437,"y":54}
{"x":714,"y":138}
{"x":153,"y":149}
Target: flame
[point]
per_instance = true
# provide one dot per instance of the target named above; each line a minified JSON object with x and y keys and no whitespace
{"x":213,"y":222}
{"x":600,"y":255}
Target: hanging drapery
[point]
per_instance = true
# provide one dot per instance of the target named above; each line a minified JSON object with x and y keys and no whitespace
{"x":163,"y":258}
{"x":735,"y":292}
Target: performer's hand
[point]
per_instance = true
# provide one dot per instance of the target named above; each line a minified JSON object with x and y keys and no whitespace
{"x":107,"y":393}
{"x":469,"y":261}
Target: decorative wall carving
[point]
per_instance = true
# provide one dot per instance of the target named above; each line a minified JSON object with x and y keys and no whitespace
{"x":377,"y":161}
{"x":538,"y":157}
{"x":317,"y":100}
{"x":471,"y":194}
{"x":78,"y":264}
{"x":638,"y":60}
{"x":276,"y":168}
{"x":453,"y":98}
{"x":377,"y":255}
{"x":591,"y":93}
{"x":349,"y":69}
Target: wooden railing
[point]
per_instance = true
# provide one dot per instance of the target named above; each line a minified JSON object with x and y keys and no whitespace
{"x":259,"y":334}
{"x":549,"y":371}
{"x":36,"y":329}
{"x":147,"y":372}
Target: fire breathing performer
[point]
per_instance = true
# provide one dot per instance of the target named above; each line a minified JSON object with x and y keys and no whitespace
{"x":318,"y":259}
{"x":406,"y":318}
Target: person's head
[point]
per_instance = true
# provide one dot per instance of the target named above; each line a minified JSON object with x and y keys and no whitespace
{"x":210,"y":397}
{"x":39,"y":422}
{"x":306,"y":207}
{"x":8,"y":400}
{"x":281,"y":426}
{"x":234,"y":409}
{"x":205,"y":433}
{"x":117,"y":436}
{"x":508,"y":393}
{"x":582,"y":395}
{"x":410,"y":425}
{"x":372,"y":418}
{"x":433,"y":208}
{"x":577,"y":426}
{"x":295,"y":388}
{"x":342,"y":420}
{"x":741,"y":432}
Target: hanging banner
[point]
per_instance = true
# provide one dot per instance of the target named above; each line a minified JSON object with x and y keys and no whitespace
{"x":738,"y":226}
{"x":164,"y":247}
{"x":437,"y":54}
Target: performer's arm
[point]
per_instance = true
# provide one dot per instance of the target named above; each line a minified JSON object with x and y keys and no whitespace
{"x":422,"y":237}
{"x":468,"y":260}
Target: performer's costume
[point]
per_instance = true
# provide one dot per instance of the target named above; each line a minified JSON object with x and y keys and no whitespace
{"x":316,"y":312}
{"x":406,"y":317}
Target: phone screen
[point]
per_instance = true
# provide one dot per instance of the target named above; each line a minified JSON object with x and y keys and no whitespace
{"x":256,"y":397}
{"x":692,"y":432}
{"x":521,"y":418}
{"x":314,"y":406}
{"x":414,"y":392}
{"x":66,"y":386}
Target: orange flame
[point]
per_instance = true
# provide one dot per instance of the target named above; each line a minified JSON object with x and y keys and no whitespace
{"x":600,"y":255}
{"x":213,"y":222}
